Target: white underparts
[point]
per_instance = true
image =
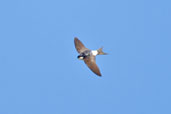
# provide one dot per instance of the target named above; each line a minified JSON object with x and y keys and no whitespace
{"x":94,"y":52}
{"x":81,"y":58}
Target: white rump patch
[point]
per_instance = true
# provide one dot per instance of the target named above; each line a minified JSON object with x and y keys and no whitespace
{"x":94,"y":52}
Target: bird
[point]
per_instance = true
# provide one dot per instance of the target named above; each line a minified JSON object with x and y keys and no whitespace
{"x":88,"y":56}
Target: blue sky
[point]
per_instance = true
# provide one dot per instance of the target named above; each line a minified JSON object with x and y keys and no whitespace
{"x":40,"y":72}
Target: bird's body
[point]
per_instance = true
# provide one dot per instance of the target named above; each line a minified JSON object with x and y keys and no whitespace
{"x":84,"y":54}
{"x":88,"y":55}
{"x":94,"y":52}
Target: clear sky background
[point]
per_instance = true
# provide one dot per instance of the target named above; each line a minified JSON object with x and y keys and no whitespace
{"x":40,"y":72}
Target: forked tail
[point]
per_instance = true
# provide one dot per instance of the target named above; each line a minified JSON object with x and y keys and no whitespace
{"x":100,"y":51}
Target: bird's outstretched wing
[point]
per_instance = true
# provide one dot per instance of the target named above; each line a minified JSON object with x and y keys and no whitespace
{"x":79,"y":45}
{"x":91,"y":63}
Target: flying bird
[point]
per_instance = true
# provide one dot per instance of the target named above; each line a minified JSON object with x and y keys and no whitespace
{"x":89,"y":56}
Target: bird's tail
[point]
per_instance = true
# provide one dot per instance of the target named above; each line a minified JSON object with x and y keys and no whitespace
{"x":100,"y":51}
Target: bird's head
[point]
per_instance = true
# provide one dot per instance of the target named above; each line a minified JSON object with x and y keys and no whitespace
{"x":80,"y":57}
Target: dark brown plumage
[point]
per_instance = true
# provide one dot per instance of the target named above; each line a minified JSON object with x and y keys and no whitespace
{"x":90,"y":58}
{"x":79,"y":45}
{"x":91,"y":63}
